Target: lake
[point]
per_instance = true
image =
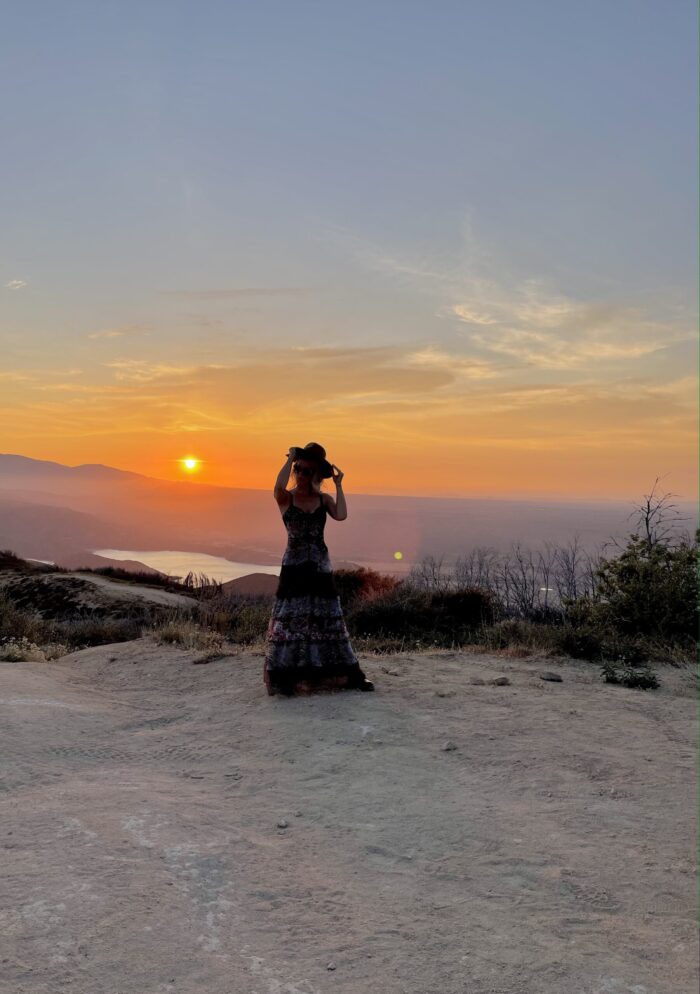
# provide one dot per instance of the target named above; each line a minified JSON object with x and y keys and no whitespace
{"x":179,"y":564}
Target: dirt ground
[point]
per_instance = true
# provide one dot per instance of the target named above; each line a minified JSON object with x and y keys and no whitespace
{"x":131,"y":591}
{"x":168,"y":827}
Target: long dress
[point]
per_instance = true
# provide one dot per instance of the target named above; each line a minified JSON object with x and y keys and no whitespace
{"x":307,"y":642}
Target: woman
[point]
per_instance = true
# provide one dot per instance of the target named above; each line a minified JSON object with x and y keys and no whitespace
{"x":308,"y":645}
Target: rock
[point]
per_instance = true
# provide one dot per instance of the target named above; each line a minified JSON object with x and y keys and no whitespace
{"x":444,"y":693}
{"x":548,"y":675}
{"x":283,"y":823}
{"x":500,"y":681}
{"x":477,"y":681}
{"x":331,"y":966}
{"x":448,"y":746}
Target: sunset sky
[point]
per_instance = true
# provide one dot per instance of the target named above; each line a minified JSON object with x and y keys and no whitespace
{"x":454,"y":242}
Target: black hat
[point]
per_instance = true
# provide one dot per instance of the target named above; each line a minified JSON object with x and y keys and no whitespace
{"x":314,"y":453}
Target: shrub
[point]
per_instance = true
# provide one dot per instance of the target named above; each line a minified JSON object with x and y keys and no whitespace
{"x":18,"y":649}
{"x":82,"y":632}
{"x":583,"y":642}
{"x":187,"y":633}
{"x":651,"y":589}
{"x":10,"y":560}
{"x":467,"y":607}
{"x":628,"y":676}
{"x":400,"y":612}
{"x":239,"y":618}
{"x":15,"y":622}
{"x":361,"y":583}
{"x":516,"y":633}
{"x":432,"y":617}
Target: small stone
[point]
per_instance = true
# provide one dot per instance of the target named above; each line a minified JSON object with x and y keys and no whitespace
{"x":331,"y":966}
{"x":501,"y":681}
{"x":548,"y":675}
{"x":477,"y":681}
{"x":283,"y":823}
{"x":298,"y":814}
{"x":444,"y":693}
{"x":449,"y":746}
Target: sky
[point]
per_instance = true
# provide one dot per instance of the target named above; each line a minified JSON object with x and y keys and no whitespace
{"x":453,"y":242}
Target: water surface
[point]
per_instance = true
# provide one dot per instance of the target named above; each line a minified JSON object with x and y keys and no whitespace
{"x":179,"y":564}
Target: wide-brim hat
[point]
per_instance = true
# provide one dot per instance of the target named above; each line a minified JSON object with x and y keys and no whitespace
{"x":314,"y":453}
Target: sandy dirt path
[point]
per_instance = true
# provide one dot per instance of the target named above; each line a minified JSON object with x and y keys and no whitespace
{"x":125,"y":590}
{"x":168,"y":827}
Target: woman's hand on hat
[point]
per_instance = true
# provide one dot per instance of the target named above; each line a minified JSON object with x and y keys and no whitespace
{"x":337,"y":474}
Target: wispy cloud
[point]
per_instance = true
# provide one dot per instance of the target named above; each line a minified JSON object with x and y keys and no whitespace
{"x":550,"y":331}
{"x":527,"y":322}
{"x":15,"y":376}
{"x":16,"y":284}
{"x":122,"y":331}
{"x":459,"y":366}
{"x":143,"y":371}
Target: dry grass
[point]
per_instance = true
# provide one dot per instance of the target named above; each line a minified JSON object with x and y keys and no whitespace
{"x":188,"y":634}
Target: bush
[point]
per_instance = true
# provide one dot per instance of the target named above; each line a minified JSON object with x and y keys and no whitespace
{"x":186,"y":633}
{"x":239,"y":618}
{"x":82,"y":632}
{"x":651,"y":589}
{"x":467,"y":607}
{"x":628,"y":676}
{"x":517,"y":634}
{"x":433,"y":617}
{"x":400,"y":612}
{"x":10,"y":560}
{"x":362,"y":583}
{"x":19,"y":649}
{"x":582,"y":642}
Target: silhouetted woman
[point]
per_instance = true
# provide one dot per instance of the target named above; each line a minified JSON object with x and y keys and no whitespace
{"x":308,"y":646}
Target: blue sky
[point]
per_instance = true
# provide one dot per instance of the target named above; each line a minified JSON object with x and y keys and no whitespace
{"x":404,"y":174}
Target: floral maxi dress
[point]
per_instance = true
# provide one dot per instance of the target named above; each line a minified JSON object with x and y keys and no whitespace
{"x":307,"y":643}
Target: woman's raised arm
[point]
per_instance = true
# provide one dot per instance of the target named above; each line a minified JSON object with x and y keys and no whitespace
{"x":283,"y":475}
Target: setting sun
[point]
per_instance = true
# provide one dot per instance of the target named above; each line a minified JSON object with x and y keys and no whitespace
{"x":190,"y":463}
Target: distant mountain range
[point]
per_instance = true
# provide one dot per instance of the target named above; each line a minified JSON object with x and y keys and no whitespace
{"x":55,"y":512}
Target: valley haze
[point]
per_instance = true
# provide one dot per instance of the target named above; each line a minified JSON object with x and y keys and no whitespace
{"x":61,"y":513}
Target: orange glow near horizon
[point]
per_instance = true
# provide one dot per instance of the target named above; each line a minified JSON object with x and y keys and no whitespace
{"x":392,"y":427}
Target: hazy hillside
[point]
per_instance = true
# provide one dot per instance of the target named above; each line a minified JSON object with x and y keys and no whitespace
{"x":49,"y":509}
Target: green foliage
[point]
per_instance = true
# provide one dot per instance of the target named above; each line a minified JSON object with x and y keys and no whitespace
{"x":650,"y":589}
{"x":642,"y":678}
